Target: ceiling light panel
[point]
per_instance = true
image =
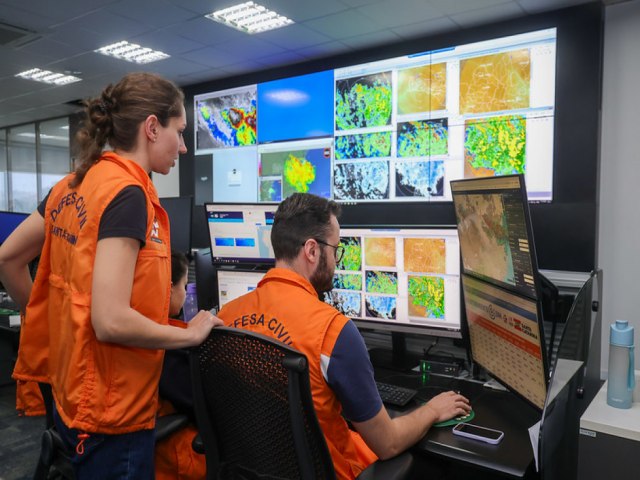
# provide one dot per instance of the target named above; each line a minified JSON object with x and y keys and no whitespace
{"x":46,"y":76}
{"x":132,"y":52}
{"x":249,"y":17}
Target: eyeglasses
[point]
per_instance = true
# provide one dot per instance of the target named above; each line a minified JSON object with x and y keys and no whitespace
{"x":339,"y":249}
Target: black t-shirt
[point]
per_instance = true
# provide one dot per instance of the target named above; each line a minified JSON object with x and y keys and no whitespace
{"x":125,"y":216}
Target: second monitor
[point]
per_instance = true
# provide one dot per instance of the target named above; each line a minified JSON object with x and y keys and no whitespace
{"x":400,"y":280}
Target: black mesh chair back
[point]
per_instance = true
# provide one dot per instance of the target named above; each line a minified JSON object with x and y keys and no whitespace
{"x":254,"y":409}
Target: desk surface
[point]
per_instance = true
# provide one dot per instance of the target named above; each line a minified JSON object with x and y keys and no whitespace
{"x":494,"y":409}
{"x":620,"y":422}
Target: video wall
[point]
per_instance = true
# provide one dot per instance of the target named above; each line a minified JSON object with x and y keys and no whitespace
{"x":394,"y":130}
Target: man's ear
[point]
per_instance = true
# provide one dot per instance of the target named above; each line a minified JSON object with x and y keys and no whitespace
{"x":311,"y":250}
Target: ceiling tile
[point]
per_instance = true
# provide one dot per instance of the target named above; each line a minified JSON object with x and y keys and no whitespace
{"x":369,"y":40}
{"x":279,"y":59}
{"x":167,"y":42}
{"x":483,"y":15}
{"x":206,"y":32}
{"x":424,"y":29}
{"x":344,"y":25}
{"x":302,"y":10}
{"x":297,"y":34}
{"x":153,"y":13}
{"x":393,"y":13}
{"x":537,"y":6}
{"x":323,"y":50}
{"x":447,"y":7}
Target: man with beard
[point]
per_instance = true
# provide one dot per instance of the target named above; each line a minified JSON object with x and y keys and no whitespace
{"x":306,"y":242}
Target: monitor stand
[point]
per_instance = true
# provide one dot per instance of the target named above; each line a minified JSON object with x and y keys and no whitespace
{"x":398,"y":358}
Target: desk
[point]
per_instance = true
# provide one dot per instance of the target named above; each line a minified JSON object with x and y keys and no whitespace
{"x":610,"y":438}
{"x":513,"y":457}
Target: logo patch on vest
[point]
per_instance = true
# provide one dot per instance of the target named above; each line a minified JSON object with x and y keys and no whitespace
{"x":155,"y":232}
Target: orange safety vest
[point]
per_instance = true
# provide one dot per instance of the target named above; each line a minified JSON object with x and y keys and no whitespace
{"x":285,"y":306}
{"x":98,"y":387}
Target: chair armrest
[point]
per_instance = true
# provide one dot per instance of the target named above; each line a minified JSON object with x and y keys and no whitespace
{"x":197,"y":444}
{"x":406,"y":466}
{"x":168,"y":424}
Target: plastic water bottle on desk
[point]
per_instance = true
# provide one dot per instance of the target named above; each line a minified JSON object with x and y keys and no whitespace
{"x":621,"y":378}
{"x":190,"y":307}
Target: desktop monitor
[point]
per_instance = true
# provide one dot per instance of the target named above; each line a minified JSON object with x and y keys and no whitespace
{"x":240,"y":233}
{"x":496,"y":238}
{"x":180,"y":211}
{"x":400,"y":280}
{"x":9,"y":221}
{"x":506,"y":338}
{"x":235,"y":283}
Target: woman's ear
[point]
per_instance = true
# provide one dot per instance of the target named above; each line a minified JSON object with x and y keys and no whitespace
{"x":151,"y":128}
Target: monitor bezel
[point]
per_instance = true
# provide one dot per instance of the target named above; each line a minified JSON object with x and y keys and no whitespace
{"x":530,"y":238}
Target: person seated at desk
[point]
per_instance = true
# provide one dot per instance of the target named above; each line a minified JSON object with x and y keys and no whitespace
{"x":285,"y":305}
{"x":174,"y":456}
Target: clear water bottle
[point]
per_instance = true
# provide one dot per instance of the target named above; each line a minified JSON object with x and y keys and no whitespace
{"x":190,"y":307}
{"x":621,"y":378}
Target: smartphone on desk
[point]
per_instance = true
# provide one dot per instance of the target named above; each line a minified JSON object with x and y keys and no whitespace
{"x":477,"y":432}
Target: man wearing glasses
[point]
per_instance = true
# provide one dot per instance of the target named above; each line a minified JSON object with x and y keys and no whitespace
{"x":306,"y":242}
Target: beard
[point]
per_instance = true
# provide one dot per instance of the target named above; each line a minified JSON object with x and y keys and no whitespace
{"x":322,"y":278}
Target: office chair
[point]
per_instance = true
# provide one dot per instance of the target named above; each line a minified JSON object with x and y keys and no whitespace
{"x":54,"y":461}
{"x":255,"y":413}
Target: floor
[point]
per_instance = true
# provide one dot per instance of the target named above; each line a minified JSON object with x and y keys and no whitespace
{"x":19,"y":438}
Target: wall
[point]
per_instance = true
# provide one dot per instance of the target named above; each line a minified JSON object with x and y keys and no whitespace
{"x":168,"y":185}
{"x":619,"y":222}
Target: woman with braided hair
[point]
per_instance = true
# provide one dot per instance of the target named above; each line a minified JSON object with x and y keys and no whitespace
{"x":95,"y":324}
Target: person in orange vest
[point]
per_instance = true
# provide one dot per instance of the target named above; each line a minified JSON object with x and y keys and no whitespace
{"x":96,"y":320}
{"x":174,"y":457}
{"x":306,"y":242}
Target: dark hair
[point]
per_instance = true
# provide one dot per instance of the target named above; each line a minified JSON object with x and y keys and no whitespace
{"x":298,"y":218}
{"x":115,"y":115}
{"x":179,"y":266}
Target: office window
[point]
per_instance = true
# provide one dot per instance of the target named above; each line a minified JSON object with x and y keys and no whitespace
{"x":55,"y":160}
{"x":33,"y":158}
{"x":23,"y":182}
{"x":4,"y":199}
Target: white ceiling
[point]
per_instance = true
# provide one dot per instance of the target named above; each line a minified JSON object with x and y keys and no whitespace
{"x":63,"y":34}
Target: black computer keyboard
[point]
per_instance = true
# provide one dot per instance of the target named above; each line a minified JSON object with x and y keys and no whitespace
{"x":394,"y":395}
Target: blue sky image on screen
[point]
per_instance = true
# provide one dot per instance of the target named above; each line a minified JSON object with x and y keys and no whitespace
{"x":296,"y":108}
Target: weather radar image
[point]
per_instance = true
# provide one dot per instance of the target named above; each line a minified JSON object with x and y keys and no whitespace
{"x":305,"y":168}
{"x":226,"y":119}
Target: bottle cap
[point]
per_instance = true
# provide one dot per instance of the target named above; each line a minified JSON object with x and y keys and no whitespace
{"x":621,"y":334}
{"x":191,"y":288}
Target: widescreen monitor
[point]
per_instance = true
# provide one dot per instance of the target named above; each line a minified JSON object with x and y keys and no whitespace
{"x":496,"y":238}
{"x":9,"y":221}
{"x":506,"y":338}
{"x":235,"y":283}
{"x":180,"y":211}
{"x":240,"y":233}
{"x":400,"y":280}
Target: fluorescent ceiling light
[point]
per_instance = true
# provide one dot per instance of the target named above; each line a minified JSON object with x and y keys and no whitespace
{"x":250,"y":17}
{"x":132,"y":52}
{"x":45,"y":76}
